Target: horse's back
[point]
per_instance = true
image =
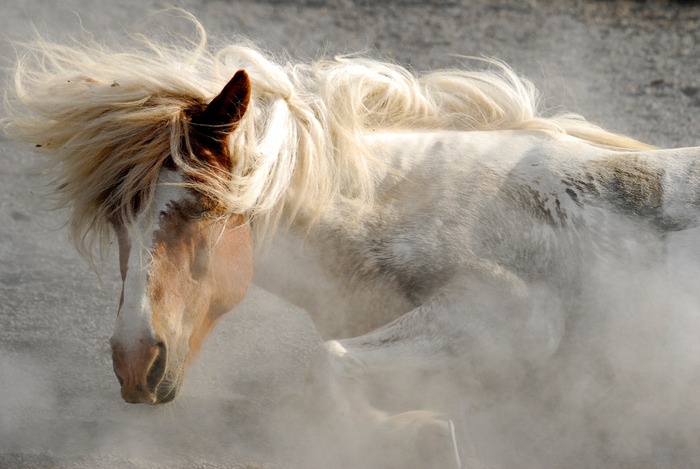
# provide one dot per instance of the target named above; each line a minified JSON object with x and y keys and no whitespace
{"x":535,"y":204}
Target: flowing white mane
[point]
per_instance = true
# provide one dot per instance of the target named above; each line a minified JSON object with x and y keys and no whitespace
{"x":106,"y":121}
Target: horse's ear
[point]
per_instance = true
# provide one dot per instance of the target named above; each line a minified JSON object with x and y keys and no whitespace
{"x":224,"y":112}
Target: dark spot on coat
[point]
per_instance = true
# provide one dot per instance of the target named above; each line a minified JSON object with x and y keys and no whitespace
{"x":534,"y":203}
{"x":631,"y":185}
{"x":574,"y":197}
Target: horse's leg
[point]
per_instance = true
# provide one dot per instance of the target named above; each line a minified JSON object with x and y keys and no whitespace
{"x":418,"y":438}
{"x":470,"y":328}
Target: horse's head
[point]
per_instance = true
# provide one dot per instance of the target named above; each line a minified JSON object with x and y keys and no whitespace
{"x":183,"y":263}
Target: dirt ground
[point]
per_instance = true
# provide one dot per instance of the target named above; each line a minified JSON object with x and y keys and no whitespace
{"x":633,"y":67}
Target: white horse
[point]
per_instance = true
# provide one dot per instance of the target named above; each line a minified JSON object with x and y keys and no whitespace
{"x":431,"y":222}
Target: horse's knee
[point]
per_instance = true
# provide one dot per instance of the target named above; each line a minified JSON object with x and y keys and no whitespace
{"x":334,"y":349}
{"x":330,"y":363}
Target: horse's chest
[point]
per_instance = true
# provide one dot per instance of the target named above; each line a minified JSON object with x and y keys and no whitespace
{"x":331,"y":281}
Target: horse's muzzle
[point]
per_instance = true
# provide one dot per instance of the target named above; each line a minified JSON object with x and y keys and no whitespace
{"x":141,"y":373}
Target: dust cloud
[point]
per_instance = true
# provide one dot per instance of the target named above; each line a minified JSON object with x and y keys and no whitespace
{"x":621,"y":390}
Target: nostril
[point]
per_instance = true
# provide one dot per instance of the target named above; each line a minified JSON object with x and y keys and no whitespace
{"x":119,"y":378}
{"x":157,"y":371}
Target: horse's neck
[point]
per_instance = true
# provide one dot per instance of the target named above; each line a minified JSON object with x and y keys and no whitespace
{"x":309,"y":272}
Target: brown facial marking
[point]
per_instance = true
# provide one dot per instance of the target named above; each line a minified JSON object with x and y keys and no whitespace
{"x":201,"y":269}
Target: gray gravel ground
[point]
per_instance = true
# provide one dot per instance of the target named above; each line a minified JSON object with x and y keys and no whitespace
{"x":631,"y":66}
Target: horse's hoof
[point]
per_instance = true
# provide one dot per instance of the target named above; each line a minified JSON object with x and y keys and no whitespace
{"x":428,"y":439}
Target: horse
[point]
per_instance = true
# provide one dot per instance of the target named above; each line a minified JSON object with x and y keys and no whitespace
{"x":424,"y":221}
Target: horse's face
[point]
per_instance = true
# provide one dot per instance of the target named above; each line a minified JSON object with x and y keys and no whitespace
{"x":194,"y":270}
{"x":182,"y":267}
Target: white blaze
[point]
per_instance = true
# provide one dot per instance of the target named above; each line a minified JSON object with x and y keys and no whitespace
{"x":133,"y":327}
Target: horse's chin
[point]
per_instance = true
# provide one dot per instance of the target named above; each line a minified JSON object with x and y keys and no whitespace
{"x":166,"y":394}
{"x":168,"y":389}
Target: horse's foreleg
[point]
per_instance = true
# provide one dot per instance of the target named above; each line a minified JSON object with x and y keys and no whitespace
{"x":471,"y":327}
{"x":338,"y":385}
{"x":472,"y":332}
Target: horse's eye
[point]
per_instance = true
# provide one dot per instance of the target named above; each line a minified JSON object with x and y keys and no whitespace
{"x":200,"y":212}
{"x":196,"y":211}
